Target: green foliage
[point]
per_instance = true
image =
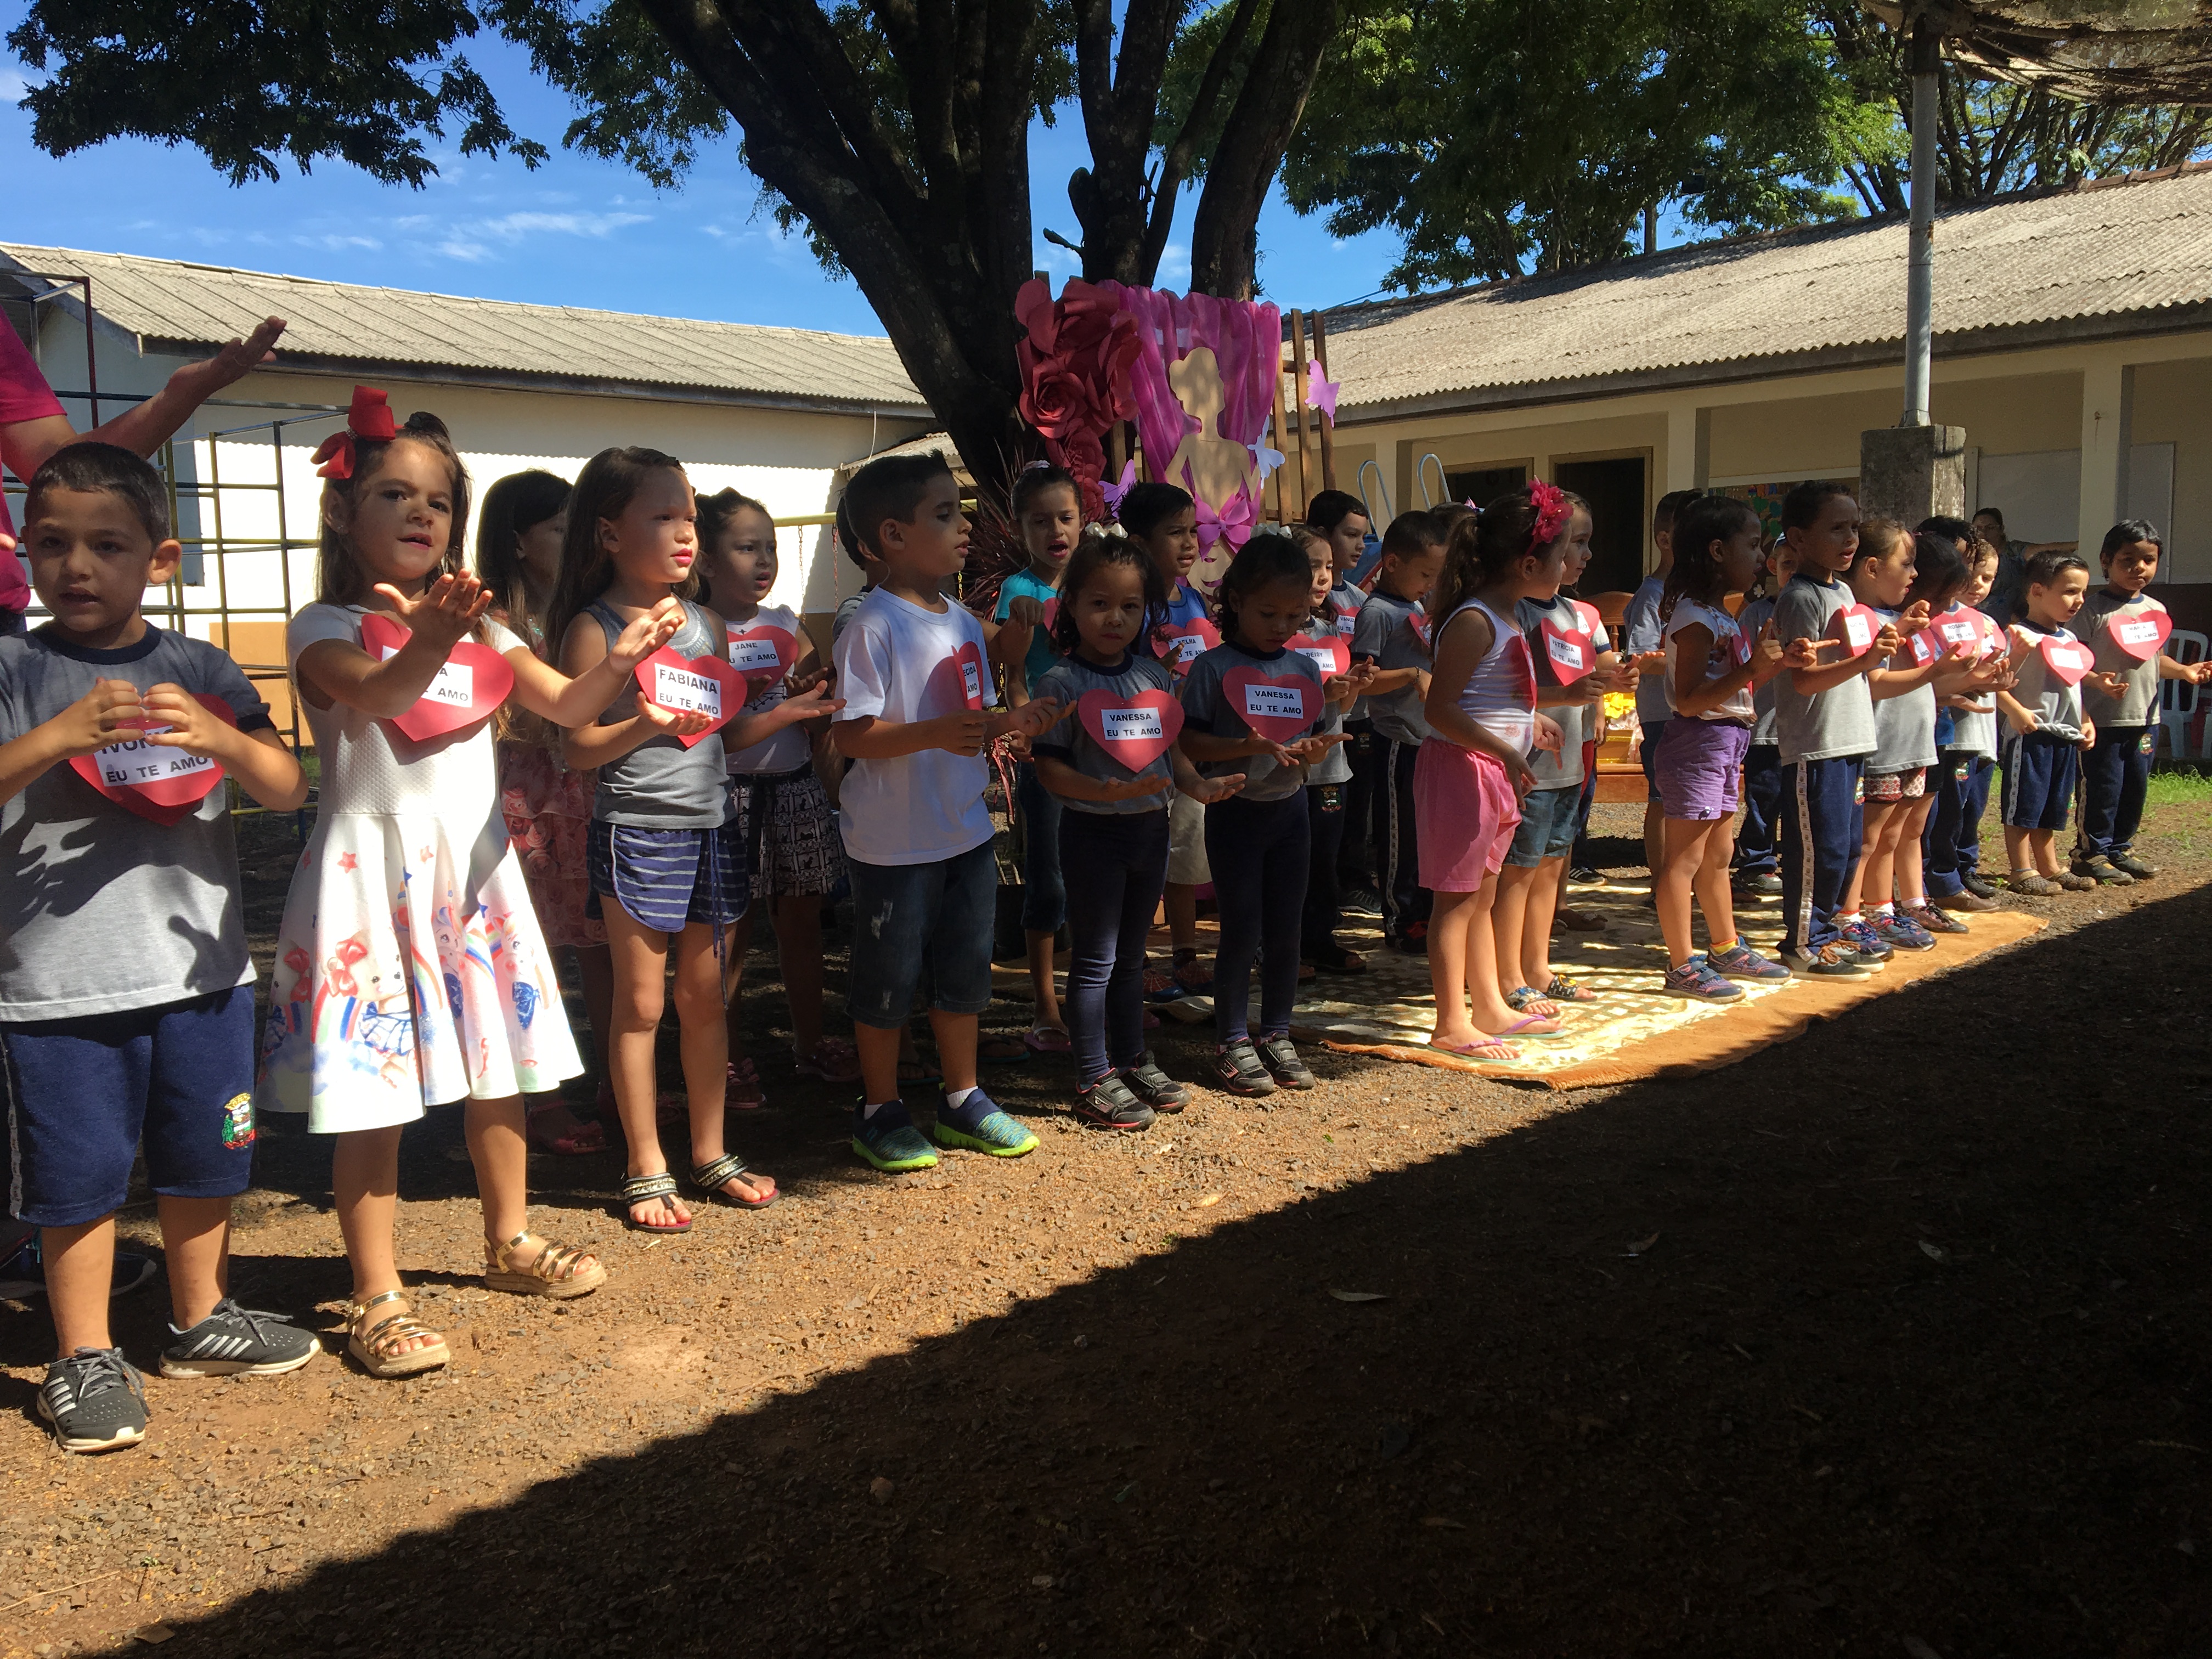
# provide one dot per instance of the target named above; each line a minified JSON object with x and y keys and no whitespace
{"x":1496,"y":136}
{"x":245,"y":80}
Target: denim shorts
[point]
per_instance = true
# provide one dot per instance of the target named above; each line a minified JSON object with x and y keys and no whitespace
{"x":1547,"y":826}
{"x":907,"y":917}
{"x":82,"y":1094}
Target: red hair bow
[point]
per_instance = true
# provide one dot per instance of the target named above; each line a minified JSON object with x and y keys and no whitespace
{"x":1552,"y":512}
{"x":369,"y":418}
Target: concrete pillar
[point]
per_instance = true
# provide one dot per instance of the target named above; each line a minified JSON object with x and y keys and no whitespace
{"x":1688,"y":441}
{"x":1909,"y":473}
{"x":2108,"y":397}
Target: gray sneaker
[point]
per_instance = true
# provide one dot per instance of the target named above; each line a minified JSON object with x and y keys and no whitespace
{"x":235,"y":1341}
{"x":96,"y":1400}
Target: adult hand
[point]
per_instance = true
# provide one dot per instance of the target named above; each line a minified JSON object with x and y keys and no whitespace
{"x":202,"y":380}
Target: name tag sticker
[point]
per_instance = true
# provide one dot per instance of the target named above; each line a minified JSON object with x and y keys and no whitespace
{"x":1278,"y":709}
{"x":696,"y":685}
{"x":1134,"y":731}
{"x":471,"y":685}
{"x":158,"y":783}
{"x":2142,"y":636}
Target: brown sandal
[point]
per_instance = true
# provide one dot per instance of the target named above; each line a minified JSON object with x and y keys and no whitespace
{"x":559,"y":1271}
{"x":377,"y":1349}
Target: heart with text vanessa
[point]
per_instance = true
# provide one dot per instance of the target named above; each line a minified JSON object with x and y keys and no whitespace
{"x":2142,"y":635}
{"x":1856,"y":625}
{"x":1572,"y":654}
{"x":153,"y":780}
{"x":1280,"y":709}
{"x":691,"y":685}
{"x":1134,"y":731}
{"x":2067,"y":659}
{"x":1326,"y":651}
{"x":1180,"y":644}
{"x":471,"y":683}
{"x":761,"y":652}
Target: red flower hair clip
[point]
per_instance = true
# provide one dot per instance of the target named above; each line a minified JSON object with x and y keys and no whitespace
{"x":369,"y":418}
{"x":1553,"y":509}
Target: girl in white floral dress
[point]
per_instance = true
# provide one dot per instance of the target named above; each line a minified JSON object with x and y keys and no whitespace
{"x":409,"y":969}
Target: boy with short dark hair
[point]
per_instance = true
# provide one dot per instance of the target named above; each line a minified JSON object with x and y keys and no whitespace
{"x":913,"y":668}
{"x":1388,"y":634}
{"x":126,"y":993}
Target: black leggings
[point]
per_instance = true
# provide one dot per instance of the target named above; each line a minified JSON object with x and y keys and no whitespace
{"x":1120,"y":863}
{"x":1328,"y":818}
{"x":1258,"y":851}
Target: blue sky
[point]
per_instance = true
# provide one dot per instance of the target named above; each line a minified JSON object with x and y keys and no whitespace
{"x":575,"y":230}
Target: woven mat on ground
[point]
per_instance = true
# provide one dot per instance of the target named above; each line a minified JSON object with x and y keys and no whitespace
{"x":1632,"y":1030}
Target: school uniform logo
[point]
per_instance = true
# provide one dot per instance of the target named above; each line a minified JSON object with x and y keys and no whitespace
{"x":238,"y":1122}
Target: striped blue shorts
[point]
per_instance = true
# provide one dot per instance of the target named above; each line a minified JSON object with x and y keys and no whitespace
{"x":664,"y":878}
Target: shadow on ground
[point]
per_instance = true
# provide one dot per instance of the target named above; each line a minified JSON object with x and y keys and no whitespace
{"x":1898,"y":1330}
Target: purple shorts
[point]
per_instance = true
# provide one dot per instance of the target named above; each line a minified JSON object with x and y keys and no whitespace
{"x":1699,"y":766}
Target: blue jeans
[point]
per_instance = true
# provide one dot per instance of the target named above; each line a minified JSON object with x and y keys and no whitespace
{"x":1822,"y":823}
{"x":1123,"y":857}
{"x":1044,"y":895}
{"x":1258,"y":850}
{"x":906,"y":917}
{"x":2115,"y":778}
{"x":1762,"y":801}
{"x":1951,"y":845}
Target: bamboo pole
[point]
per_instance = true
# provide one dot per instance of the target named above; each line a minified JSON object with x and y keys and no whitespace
{"x":1326,"y":421}
{"x":1299,"y":402}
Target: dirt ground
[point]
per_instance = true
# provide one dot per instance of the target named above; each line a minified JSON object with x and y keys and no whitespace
{"x":1890,"y":1340}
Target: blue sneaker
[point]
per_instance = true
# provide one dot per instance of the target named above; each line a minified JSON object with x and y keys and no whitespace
{"x":979,"y":1125}
{"x":889,"y":1141}
{"x":1860,"y":937}
{"x":1903,"y":932}
{"x":1739,"y":961}
{"x":1694,"y":979}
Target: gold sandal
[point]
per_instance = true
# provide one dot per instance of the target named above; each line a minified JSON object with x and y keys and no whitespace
{"x":557,"y":1270}
{"x":377,"y":1349}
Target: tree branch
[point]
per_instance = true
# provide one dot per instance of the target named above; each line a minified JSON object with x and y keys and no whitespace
{"x":1224,"y":255}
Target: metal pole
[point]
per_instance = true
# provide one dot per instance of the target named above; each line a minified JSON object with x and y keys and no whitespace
{"x":1920,"y":280}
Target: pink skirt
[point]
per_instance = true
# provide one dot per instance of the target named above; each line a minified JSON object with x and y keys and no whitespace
{"x":1465,"y":813}
{"x":548,"y":810}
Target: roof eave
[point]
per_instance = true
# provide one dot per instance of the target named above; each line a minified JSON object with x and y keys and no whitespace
{"x":2066,"y":330}
{"x":291,"y":363}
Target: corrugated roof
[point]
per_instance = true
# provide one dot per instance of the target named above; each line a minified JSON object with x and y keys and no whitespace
{"x":2118,"y":258}
{"x":172,"y":304}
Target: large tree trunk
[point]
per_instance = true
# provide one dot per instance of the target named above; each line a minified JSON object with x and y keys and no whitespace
{"x":1224,"y":236}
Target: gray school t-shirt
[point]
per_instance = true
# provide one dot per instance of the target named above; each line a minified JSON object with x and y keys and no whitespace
{"x":1384,"y":636}
{"x":1831,"y":724}
{"x":661,"y":784}
{"x":1207,"y":708}
{"x":102,"y":910}
{"x":2054,"y":703}
{"x":1904,"y":727}
{"x":1641,"y":630}
{"x":1067,"y":681}
{"x":2099,"y":614}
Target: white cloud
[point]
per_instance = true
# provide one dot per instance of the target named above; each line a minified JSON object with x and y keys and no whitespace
{"x":1064,"y":262}
{"x":454,"y":248}
{"x":337,"y":244}
{"x":513,"y":227}
{"x":1174,"y":273}
{"x":14,"y":88}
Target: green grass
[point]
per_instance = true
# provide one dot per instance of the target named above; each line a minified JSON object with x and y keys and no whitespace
{"x":2178,"y":788}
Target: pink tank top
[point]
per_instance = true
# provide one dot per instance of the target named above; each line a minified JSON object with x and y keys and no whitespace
{"x":1500,"y":695}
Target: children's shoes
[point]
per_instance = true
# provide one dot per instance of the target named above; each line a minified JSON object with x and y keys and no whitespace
{"x":888,"y":1139}
{"x":1153,"y":1086}
{"x":1283,"y":1064}
{"x":1109,"y":1105}
{"x":977,"y":1125}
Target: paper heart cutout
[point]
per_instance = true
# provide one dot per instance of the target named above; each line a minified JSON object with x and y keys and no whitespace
{"x":1182,"y":644}
{"x":1955,"y":628}
{"x":1134,"y":731}
{"x":1419,"y":622}
{"x":1279,"y":709}
{"x":1051,"y":613}
{"x":2142,"y":634}
{"x":1856,"y":625}
{"x":1329,"y":653}
{"x":471,"y":683}
{"x":960,"y":681}
{"x":691,"y":685}
{"x":1570,"y":652}
{"x":155,"y":781}
{"x":1586,"y":618}
{"x":762,"y":651}
{"x":2067,"y":659}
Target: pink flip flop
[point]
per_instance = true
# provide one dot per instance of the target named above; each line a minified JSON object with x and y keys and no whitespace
{"x":1531,"y":1025}
{"x":1487,"y":1048}
{"x":1047,"y":1040}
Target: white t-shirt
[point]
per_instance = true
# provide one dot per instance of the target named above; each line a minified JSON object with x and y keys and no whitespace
{"x":902,"y":664}
{"x":788,"y":749}
{"x":1729,"y":652}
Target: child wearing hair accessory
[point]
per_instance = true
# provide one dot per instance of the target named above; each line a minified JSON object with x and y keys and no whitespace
{"x":1163,"y":520}
{"x":665,"y":845}
{"x":2046,"y":726}
{"x":1251,"y":706}
{"x":1713,"y":667}
{"x":1048,"y":513}
{"x":1473,"y":770}
{"x":410,"y":971}
{"x":1392,"y":635}
{"x":547,"y":806}
{"x":2127,"y":629}
{"x":1951,"y":846}
{"x":1113,"y":767}
{"x":793,"y":857}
